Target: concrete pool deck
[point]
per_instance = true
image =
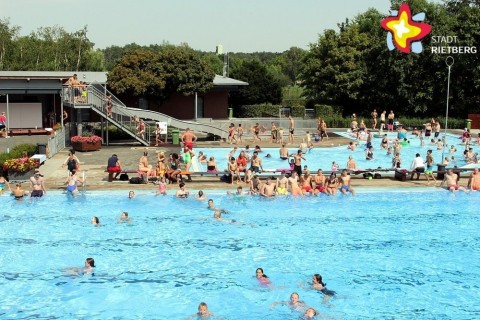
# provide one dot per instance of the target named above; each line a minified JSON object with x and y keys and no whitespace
{"x":94,"y":165}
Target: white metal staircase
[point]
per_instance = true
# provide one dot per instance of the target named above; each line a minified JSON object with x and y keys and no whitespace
{"x":123,"y":116}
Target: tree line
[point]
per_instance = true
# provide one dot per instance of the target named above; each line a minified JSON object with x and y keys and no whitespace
{"x":348,"y":68}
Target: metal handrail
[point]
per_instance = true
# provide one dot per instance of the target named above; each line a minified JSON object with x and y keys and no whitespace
{"x":120,"y":114}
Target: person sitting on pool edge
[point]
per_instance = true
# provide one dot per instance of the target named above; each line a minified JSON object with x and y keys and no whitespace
{"x":451,"y":180}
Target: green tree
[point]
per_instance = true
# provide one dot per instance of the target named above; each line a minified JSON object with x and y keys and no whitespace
{"x":158,"y":75}
{"x":138,"y":73}
{"x":262,"y":88}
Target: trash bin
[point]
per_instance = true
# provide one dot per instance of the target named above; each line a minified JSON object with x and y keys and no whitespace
{"x":42,"y":148}
{"x":440,"y":175}
{"x":230,"y":113}
{"x":468,"y":124}
{"x":175,"y":136}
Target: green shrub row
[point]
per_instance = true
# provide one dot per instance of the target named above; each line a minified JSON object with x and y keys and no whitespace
{"x":18,"y":152}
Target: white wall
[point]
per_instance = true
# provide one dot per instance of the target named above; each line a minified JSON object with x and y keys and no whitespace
{"x":23,"y":114}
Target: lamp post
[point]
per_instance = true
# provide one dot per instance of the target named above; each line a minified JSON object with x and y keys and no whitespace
{"x":449,"y":61}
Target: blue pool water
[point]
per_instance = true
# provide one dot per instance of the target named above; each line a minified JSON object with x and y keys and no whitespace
{"x":322,"y":158}
{"x":388,"y":255}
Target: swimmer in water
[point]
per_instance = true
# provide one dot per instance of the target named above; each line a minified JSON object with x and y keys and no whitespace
{"x":95,"y":221}
{"x":310,"y":314}
{"x":262,"y":277}
{"x":124,"y":218}
{"x":203,"y":312}
{"x":318,"y":284}
{"x":131,"y":195}
{"x":294,"y":302}
{"x":200,"y":196}
{"x":211,"y":206}
{"x":88,"y":268}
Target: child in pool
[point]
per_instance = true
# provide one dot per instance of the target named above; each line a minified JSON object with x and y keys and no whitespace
{"x":262,"y":277}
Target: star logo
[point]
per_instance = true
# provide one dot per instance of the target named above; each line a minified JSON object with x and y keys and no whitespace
{"x":404,"y":32}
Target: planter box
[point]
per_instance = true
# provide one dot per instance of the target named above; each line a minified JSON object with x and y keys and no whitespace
{"x":401,"y":176}
{"x":86,"y":146}
{"x":20,"y":176}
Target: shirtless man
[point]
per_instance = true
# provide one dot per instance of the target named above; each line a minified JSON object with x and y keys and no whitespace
{"x":282,"y":184}
{"x":374,"y":115}
{"x":451,"y":180}
{"x":306,"y":183}
{"x":18,"y":192}
{"x":351,"y":164}
{"x":37,"y":184}
{"x":390,"y":118}
{"x":268,"y":189}
{"x":283,"y":152}
{"x":319,"y":180}
{"x":293,"y":182}
{"x":474,"y":180}
{"x":255,"y":185}
{"x":256,"y":131}
{"x":345,"y":183}
{"x":74,"y":85}
{"x":188,"y":138}
{"x":291,"y":129}
{"x":298,"y":162}
{"x":256,"y":163}
{"x":382,"y":120}
{"x":233,"y":170}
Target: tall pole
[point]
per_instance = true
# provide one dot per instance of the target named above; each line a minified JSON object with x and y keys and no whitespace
{"x":449,"y":61}
{"x":196,"y":105}
{"x":8,"y":120}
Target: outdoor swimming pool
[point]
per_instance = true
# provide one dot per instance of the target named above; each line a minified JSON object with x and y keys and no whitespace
{"x":322,"y":158}
{"x":388,"y":255}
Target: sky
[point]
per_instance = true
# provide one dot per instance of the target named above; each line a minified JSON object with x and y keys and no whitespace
{"x":240,"y":25}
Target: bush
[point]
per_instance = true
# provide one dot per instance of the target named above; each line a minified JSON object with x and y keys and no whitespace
{"x":266,"y":110}
{"x":453,"y":123}
{"x":17,"y":152}
{"x":325,"y":111}
{"x":297,"y":111}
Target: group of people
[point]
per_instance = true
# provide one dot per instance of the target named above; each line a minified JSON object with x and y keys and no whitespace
{"x":294,"y":302}
{"x":78,"y":88}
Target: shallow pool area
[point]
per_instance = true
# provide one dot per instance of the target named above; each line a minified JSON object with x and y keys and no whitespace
{"x":322,"y":158}
{"x":387,"y":254}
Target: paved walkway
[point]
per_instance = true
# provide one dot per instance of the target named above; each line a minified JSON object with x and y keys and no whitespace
{"x":93,"y":165}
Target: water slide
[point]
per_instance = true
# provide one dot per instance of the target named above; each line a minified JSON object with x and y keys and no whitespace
{"x":181,"y":124}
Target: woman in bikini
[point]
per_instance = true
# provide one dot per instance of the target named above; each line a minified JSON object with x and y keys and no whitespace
{"x":174,"y":170}
{"x":332,"y":184}
{"x":143,"y":167}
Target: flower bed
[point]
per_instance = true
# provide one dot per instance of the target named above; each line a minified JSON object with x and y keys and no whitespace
{"x":20,"y":165}
{"x":86,"y":143}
